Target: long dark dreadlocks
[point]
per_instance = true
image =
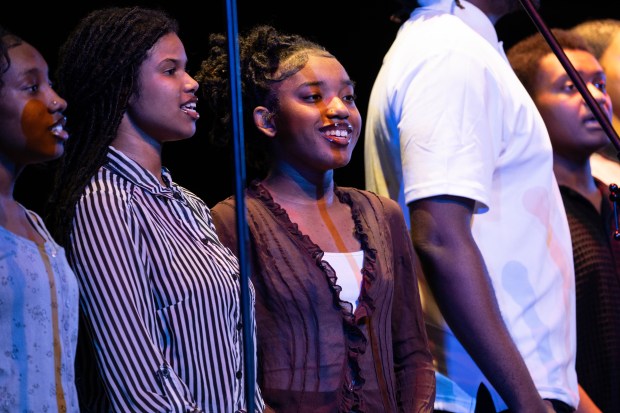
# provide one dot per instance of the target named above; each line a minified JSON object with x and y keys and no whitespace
{"x":97,"y":73}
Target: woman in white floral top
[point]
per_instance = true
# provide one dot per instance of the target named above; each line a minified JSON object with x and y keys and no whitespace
{"x":38,"y":290}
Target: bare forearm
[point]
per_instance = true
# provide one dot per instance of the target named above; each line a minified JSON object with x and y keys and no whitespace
{"x":458,"y":278}
{"x":466,"y":299}
{"x":586,"y":404}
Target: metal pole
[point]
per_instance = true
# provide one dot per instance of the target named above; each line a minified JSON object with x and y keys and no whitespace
{"x":573,"y":74}
{"x":240,"y":181}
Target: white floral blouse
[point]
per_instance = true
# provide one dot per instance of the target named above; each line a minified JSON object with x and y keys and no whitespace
{"x":38,"y":324}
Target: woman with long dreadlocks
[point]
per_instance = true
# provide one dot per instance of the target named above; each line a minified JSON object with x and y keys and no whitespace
{"x":160,"y":293}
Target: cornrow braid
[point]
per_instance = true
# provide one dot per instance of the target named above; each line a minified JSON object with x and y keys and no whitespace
{"x":266,"y":57}
{"x":97,"y":73}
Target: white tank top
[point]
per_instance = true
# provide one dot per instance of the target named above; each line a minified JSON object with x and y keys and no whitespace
{"x":348,"y":268}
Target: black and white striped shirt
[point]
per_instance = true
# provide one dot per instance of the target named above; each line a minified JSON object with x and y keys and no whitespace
{"x":161,"y":297}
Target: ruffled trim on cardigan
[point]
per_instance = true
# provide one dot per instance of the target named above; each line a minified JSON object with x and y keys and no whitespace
{"x":356,"y":340}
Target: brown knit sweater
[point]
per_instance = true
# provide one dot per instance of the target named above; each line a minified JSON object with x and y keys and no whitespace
{"x":597,"y":272}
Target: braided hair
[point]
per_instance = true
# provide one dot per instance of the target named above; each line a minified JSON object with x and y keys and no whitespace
{"x":266,"y":57}
{"x":97,"y":73}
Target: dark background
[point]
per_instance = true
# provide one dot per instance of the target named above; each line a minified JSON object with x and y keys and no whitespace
{"x":357,"y":32}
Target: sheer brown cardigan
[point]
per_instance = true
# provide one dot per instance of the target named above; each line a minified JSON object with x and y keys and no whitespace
{"x":314,"y":354}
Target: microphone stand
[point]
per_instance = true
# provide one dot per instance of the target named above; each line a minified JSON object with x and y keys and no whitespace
{"x":572,"y":73}
{"x":240,"y":181}
{"x":583,"y":90}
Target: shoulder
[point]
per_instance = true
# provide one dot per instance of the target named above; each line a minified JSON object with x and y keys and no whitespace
{"x":194,"y":200}
{"x":225,"y":205}
{"x":441,"y":31}
{"x":106,"y":186}
{"x":224,"y":211}
{"x":39,"y":224}
{"x":189,"y":194}
{"x":362,"y":197}
{"x":31,"y":214}
{"x":225,"y":222}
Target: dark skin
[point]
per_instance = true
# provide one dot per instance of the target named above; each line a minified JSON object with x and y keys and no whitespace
{"x":461,"y":285}
{"x":31,"y":130}
{"x":563,"y":110}
{"x":301,"y":177}
{"x":462,"y":288}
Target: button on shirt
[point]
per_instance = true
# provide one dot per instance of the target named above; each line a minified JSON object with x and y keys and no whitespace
{"x":160,"y":293}
{"x":38,"y":324}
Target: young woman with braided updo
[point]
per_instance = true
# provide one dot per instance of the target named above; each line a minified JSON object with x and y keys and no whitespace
{"x":339,"y":321}
{"x":159,"y":292}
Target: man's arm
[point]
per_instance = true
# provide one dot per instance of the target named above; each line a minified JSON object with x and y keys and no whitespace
{"x":459,"y":280}
{"x":586,"y":404}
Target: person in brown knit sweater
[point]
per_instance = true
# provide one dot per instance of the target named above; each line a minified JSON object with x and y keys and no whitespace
{"x":576,"y":134}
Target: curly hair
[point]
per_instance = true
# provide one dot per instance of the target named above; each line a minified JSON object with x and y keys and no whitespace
{"x":98,"y":72}
{"x":266,"y":57}
{"x":598,"y":34}
{"x":7,"y":41}
{"x":525,"y":56}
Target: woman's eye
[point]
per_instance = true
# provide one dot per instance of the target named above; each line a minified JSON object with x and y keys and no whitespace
{"x":313,"y":98}
{"x":170,"y":71}
{"x":602,"y":86}
{"x":569,"y":87}
{"x":32,"y":88}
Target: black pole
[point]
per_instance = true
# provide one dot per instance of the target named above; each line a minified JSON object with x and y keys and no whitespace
{"x":585,"y":93}
{"x":572,"y":73}
{"x":240,"y":181}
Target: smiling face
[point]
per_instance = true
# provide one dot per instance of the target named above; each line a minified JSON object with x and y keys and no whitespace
{"x":317,"y":123}
{"x":165,"y":106}
{"x":574,"y":131}
{"x":31,"y":120}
